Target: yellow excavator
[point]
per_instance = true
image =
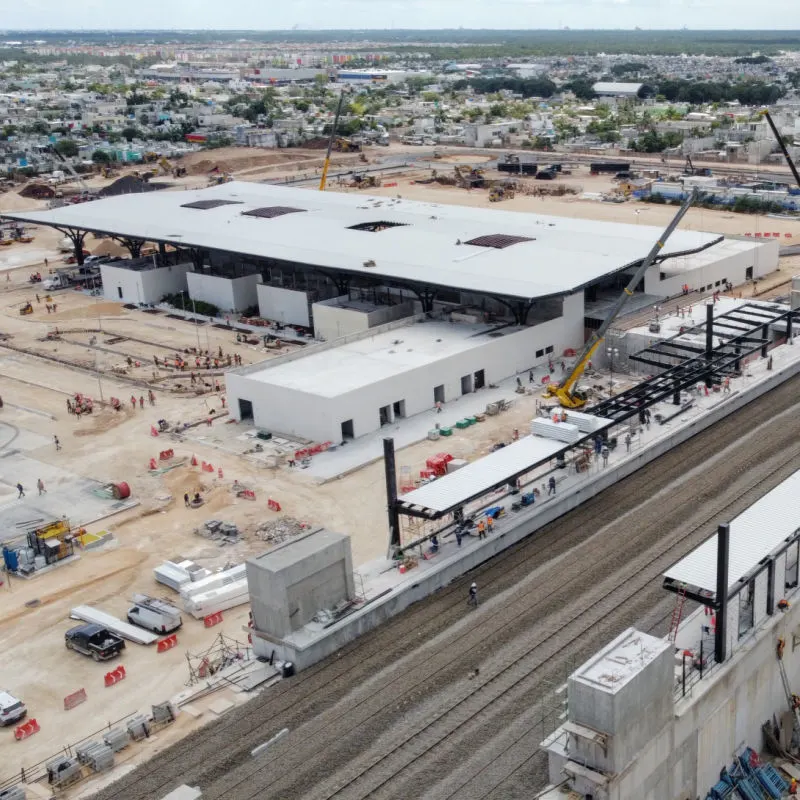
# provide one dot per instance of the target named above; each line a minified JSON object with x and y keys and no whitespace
{"x":567,"y":392}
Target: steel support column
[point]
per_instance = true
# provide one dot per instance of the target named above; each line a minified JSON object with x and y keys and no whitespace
{"x":771,"y":587}
{"x":765,"y":336}
{"x":390,"y":472}
{"x":721,"y":630}
{"x":709,"y":341}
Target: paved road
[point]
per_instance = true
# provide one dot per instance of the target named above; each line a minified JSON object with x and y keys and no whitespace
{"x":403,"y":713}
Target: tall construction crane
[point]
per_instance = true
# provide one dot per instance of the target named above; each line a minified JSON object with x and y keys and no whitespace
{"x":782,"y":146}
{"x":323,"y":180}
{"x":567,"y":392}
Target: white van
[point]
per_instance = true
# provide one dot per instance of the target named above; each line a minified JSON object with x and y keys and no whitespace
{"x":154,"y":614}
{"x":11,"y":709}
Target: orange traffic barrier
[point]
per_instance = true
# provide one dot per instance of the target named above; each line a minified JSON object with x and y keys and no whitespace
{"x":26,"y":730}
{"x":165,"y":455}
{"x":212,"y":619}
{"x":115,"y":676}
{"x":247,"y":494}
{"x":168,"y":643}
{"x":194,"y":461}
{"x":207,"y":467}
{"x":273,"y":505}
{"x":153,"y":431}
{"x":74,"y":699}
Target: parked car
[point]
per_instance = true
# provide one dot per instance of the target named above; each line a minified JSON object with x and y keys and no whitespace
{"x":11,"y":708}
{"x":95,"y":641}
{"x":154,"y":614}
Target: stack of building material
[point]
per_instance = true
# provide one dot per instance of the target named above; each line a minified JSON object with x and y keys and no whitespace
{"x":117,"y":739}
{"x":561,"y":431}
{"x":456,"y":464}
{"x":176,"y":574}
{"x":587,"y":423}
{"x":217,"y":592}
{"x":96,"y":755}
{"x":130,"y":632}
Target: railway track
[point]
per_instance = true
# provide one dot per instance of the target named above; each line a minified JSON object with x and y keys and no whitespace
{"x":339,"y":710}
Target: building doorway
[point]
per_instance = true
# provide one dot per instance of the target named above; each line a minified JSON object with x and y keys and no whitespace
{"x":399,"y":408}
{"x":466,"y":384}
{"x":438,"y":394}
{"x":480,"y":379}
{"x":245,"y":409}
{"x":385,"y":414}
{"x":119,"y":292}
{"x":347,"y":429}
{"x":748,"y":274}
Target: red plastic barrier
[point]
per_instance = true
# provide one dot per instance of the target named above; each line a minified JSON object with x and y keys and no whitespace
{"x":26,"y":730}
{"x":165,"y":455}
{"x":212,"y":619}
{"x":247,"y":494}
{"x":115,"y":676}
{"x":153,"y":464}
{"x":74,"y":699}
{"x":153,"y":431}
{"x":168,"y":643}
{"x":220,"y":474}
{"x":273,"y":505}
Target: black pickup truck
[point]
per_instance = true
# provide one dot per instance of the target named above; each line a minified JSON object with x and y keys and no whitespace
{"x":94,"y":641}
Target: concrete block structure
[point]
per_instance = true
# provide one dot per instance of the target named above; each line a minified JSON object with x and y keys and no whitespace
{"x":345,"y":389}
{"x":287,"y":306}
{"x":342,"y":316}
{"x":290,"y":584}
{"x":227,"y":294}
{"x":140,"y":281}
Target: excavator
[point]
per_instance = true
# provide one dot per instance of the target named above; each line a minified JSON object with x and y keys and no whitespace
{"x":170,"y":169}
{"x":567,"y":392}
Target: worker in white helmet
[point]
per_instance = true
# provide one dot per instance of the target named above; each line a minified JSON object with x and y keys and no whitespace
{"x":473,"y":595}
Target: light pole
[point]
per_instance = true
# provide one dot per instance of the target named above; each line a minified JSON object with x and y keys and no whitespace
{"x":612,"y":352}
{"x":196,"y":329}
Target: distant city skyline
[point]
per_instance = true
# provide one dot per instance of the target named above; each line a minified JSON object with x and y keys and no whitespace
{"x":421,"y":14}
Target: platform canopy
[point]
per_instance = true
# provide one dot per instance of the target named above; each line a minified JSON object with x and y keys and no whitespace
{"x":501,"y":253}
{"x":487,"y":473}
{"x":755,"y":534}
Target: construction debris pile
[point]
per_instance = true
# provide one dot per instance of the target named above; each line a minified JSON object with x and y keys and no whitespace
{"x":221,"y":532}
{"x":277,"y":531}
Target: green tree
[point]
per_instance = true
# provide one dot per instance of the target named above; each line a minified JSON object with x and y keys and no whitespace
{"x":130,"y":133}
{"x":67,"y":148}
{"x":101,"y":157}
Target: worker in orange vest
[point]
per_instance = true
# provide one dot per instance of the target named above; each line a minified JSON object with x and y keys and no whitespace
{"x":490,"y":523}
{"x":481,"y":530}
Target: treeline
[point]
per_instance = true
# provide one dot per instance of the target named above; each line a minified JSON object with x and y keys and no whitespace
{"x":527,"y":87}
{"x":748,"y":93}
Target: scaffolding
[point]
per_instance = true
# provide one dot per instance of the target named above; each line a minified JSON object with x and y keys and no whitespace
{"x":224,"y":652}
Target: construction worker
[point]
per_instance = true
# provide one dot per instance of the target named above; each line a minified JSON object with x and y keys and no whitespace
{"x":473,"y":595}
{"x":551,"y":486}
{"x":133,"y":402}
{"x":489,"y":523}
{"x":186,"y":499}
{"x":40,"y":486}
{"x":141,"y":401}
{"x":628,"y":441}
{"x":21,"y":491}
{"x":604,"y":454}
{"x":793,"y":786}
{"x":481,"y":529}
{"x":57,"y":443}
{"x":151,"y":396}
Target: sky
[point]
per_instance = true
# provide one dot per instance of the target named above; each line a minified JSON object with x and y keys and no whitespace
{"x":321,"y":14}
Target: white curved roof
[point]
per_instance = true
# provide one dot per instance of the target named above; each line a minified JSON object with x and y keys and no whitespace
{"x":428,"y":244}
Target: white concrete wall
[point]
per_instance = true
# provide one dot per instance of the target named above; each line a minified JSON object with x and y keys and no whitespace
{"x":228,"y":294}
{"x":319,"y":418}
{"x":129,"y":281}
{"x":332,"y":321}
{"x":142,"y":286}
{"x":287,"y":306}
{"x":763,"y":258}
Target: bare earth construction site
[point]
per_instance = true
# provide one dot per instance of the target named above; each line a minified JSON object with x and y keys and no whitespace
{"x":433,"y":703}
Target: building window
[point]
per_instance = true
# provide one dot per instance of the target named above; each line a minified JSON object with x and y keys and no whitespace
{"x":498,"y":241}
{"x":539,"y":353}
{"x":377,"y":227}
{"x":205,"y":205}
{"x":270,"y":212}
{"x":549,"y":349}
{"x":662,"y":276}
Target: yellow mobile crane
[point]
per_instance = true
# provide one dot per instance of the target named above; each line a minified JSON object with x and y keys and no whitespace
{"x":324,"y":178}
{"x":567,"y":392}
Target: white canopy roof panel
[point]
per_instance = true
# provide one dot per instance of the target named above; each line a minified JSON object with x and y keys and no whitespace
{"x":422,"y":242}
{"x":754,"y":534}
{"x":480,"y":476}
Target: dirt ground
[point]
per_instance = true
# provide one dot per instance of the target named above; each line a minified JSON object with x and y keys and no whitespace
{"x":118,"y":446}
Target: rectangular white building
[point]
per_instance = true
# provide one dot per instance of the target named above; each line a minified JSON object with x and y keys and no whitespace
{"x":139,"y":281}
{"x":336,"y":392}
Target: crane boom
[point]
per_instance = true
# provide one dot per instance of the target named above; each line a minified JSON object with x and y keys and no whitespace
{"x":323,"y":180}
{"x":563,"y":391}
{"x":782,"y":146}
{"x":71,"y":170}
